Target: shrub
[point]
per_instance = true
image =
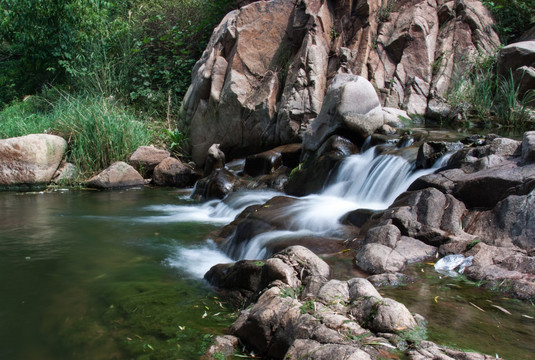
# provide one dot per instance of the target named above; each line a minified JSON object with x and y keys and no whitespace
{"x":513,"y":17}
{"x":99,"y":132}
{"x":140,"y":51}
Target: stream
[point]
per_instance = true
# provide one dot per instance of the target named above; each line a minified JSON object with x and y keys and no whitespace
{"x":118,"y":274}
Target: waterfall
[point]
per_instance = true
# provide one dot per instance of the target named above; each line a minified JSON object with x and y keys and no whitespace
{"x":363,"y":181}
{"x":369,"y":180}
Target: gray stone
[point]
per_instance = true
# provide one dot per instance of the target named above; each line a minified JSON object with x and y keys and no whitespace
{"x":361,"y":288}
{"x":66,"y":173}
{"x":215,"y":160}
{"x":392,"y":316}
{"x":305,"y":262}
{"x":528,"y":146}
{"x":314,"y":350}
{"x":387,"y":235}
{"x":377,"y":259}
{"x":225,"y":345}
{"x":516,"y":55}
{"x":31,"y":159}
{"x":340,"y":111}
{"x":414,"y":250}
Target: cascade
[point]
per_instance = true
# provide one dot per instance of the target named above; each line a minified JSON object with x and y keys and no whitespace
{"x":369,"y":180}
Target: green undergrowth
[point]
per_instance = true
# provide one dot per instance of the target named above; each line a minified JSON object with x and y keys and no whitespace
{"x":99,"y":131}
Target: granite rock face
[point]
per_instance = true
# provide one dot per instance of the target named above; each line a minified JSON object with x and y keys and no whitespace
{"x":264,"y":75}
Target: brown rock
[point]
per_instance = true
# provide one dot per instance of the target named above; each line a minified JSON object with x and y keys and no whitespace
{"x":264,"y":75}
{"x":146,"y":158}
{"x":117,"y":175}
{"x":263,"y":163}
{"x":173,"y":172}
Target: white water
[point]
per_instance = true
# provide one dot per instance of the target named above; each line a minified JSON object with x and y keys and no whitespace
{"x":218,"y":212}
{"x":363,"y":181}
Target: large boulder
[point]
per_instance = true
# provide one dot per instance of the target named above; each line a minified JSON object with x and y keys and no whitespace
{"x":117,"y":175}
{"x":516,"y":55}
{"x":30,"y":160}
{"x":264,"y":74}
{"x":518,"y":60}
{"x":351,"y":106}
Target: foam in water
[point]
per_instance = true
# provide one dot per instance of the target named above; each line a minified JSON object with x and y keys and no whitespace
{"x":211,"y":212}
{"x":198,"y":260}
{"x":363,"y":181}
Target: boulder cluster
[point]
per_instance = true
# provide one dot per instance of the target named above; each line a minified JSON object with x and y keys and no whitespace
{"x":296,"y":312}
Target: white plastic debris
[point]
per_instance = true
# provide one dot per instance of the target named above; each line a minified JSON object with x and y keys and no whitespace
{"x":452,"y":265}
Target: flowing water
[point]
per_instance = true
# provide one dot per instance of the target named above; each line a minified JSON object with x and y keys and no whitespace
{"x":95,"y":275}
{"x":116,"y":275}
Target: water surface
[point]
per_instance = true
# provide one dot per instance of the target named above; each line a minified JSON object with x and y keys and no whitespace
{"x":92,"y":275}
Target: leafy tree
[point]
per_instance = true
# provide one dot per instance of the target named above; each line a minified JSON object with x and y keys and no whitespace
{"x":141,"y":51}
{"x":513,"y":17}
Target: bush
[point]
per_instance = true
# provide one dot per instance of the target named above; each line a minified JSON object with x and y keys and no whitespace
{"x":140,"y":51}
{"x":513,"y":17}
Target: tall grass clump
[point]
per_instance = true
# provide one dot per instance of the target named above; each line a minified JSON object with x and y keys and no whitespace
{"x":481,"y":94}
{"x":99,"y":132}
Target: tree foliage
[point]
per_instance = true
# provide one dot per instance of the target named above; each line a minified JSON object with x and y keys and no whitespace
{"x":513,"y":17}
{"x":141,"y":51}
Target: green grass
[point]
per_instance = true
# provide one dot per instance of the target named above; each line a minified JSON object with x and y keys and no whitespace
{"x":98,"y":130}
{"x":22,"y":118}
